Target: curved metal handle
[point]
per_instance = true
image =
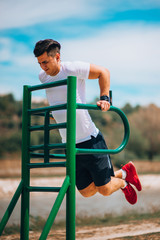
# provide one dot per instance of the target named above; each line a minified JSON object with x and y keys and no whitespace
{"x":126,"y":131}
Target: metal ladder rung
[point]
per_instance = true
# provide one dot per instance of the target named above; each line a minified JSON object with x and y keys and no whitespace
{"x":43,"y":189}
{"x":50,"y":146}
{"x":50,"y":126}
{"x":46,"y":165}
{"x":41,"y":155}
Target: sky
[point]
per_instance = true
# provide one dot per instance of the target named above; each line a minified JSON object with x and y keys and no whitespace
{"x":121,"y":35}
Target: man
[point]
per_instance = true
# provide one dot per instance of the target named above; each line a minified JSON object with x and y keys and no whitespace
{"x":94,"y":173}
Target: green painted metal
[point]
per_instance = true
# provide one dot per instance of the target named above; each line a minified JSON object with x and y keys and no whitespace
{"x":25,"y":198}
{"x":47,"y":85}
{"x":46,"y":137}
{"x":50,"y":126}
{"x":50,"y":108}
{"x":50,"y":146}
{"x":11,"y":207}
{"x":68,"y":186}
{"x":46,"y":165}
{"x":110,"y":96}
{"x":71,"y":155}
{"x":126,"y":132}
{"x":41,"y":155}
{"x":43,"y":189}
{"x":55,"y":208}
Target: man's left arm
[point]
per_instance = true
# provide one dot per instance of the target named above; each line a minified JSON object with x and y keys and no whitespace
{"x":104,"y":83}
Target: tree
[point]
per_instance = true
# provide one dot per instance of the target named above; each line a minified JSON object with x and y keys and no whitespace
{"x":147,"y":120}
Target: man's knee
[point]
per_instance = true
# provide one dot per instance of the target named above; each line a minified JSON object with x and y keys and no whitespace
{"x":88,"y":191}
{"x":105,"y":190}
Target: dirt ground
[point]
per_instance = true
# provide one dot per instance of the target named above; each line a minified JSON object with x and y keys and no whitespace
{"x":142,"y":230}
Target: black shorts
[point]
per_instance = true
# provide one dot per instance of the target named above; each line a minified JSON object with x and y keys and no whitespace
{"x":95,"y":168}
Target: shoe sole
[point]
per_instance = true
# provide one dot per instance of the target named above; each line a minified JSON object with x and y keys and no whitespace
{"x":135,"y":173}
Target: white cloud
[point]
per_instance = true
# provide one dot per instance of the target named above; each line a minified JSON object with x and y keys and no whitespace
{"x":5,"y":51}
{"x":130,"y":51}
{"x":20,"y":13}
{"x":17,"y":53}
{"x":23,"y":13}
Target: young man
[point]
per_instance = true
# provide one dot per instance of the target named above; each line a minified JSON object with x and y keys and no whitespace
{"x":94,"y":173}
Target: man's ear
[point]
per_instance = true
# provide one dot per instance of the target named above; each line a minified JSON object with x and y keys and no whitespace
{"x":58,"y":57}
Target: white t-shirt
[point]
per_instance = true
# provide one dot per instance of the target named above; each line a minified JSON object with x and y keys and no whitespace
{"x":85,"y":128}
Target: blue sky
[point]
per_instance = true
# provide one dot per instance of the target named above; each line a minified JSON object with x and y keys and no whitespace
{"x":122,"y":35}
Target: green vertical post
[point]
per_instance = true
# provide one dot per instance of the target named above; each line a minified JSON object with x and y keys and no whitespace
{"x":46,"y":136}
{"x":71,"y":153}
{"x":25,"y":160}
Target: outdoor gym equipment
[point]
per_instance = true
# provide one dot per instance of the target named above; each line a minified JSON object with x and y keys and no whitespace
{"x":28,"y":152}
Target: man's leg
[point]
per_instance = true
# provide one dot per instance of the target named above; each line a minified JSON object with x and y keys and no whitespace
{"x":111,"y":187}
{"x":106,"y":190}
{"x":89,"y":191}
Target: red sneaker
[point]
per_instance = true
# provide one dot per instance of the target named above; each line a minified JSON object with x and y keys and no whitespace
{"x":130,"y":194}
{"x":132,"y":176}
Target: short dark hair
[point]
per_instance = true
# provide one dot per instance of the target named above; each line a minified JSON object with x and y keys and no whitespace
{"x":48,"y":45}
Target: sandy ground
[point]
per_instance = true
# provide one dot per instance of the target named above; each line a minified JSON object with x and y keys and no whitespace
{"x":148,"y":202}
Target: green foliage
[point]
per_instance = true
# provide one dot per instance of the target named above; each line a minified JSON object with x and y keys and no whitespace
{"x":128,"y":109}
{"x":144,"y":124}
{"x":137,"y":142}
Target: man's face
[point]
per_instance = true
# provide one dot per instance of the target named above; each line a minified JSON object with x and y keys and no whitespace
{"x":51,"y":65}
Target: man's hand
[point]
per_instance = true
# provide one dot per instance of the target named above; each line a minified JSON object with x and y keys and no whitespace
{"x":104,"y":105}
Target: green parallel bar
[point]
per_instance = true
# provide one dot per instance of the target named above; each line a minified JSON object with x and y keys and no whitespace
{"x":110,"y":96}
{"x":47,"y":85}
{"x":126,"y":132}
{"x":43,"y":189}
{"x":50,"y":146}
{"x":50,"y":108}
{"x":26,"y":121}
{"x":71,"y":159}
{"x":53,"y":156}
{"x":41,"y":114}
{"x":55,"y":208}
{"x":46,"y":165}
{"x":11,"y":207}
{"x":50,"y":126}
{"x":46,"y":137}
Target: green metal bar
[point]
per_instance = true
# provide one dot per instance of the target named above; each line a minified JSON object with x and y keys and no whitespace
{"x":26,"y":121}
{"x":71,"y":153}
{"x":43,"y":189}
{"x":46,"y":137}
{"x":48,"y":85}
{"x":55,"y":208}
{"x":126,"y":132}
{"x":69,"y":182}
{"x":50,"y":146}
{"x":40,"y":114}
{"x":46,"y":165}
{"x":11,"y":207}
{"x":50,"y":126}
{"x":50,"y":108}
{"x":41,"y":155}
{"x":110,"y":96}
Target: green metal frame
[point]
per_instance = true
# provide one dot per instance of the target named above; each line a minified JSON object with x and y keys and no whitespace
{"x":68,"y":186}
